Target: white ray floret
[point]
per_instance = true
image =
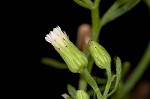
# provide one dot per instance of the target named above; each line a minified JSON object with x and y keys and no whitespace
{"x":56,"y":37}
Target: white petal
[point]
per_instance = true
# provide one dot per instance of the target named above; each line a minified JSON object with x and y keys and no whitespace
{"x":59,"y":29}
{"x":47,"y":39}
{"x":56,"y":37}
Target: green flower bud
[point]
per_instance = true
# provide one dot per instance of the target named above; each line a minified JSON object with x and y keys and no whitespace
{"x":100,"y":55}
{"x":81,"y":94}
{"x":74,"y":58}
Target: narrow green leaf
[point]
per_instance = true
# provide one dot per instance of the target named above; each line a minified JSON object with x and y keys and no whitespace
{"x":118,"y":75}
{"x":82,"y":4}
{"x":72,"y":91}
{"x":117,"y":9}
{"x":88,"y":2}
{"x":54,"y":63}
{"x":128,"y":6}
{"x":118,"y":68}
{"x":107,"y":17}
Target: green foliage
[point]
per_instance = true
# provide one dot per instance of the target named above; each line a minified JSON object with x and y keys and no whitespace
{"x":79,"y":62}
{"x":72,"y":91}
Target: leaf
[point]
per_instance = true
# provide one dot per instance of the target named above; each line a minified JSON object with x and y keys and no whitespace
{"x":128,"y":6}
{"x":72,"y":91}
{"x":118,"y":68}
{"x":118,"y":75}
{"x":117,"y":9}
{"x":83,"y":4}
{"x":54,"y":63}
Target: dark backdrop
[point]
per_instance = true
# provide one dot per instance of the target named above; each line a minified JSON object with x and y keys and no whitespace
{"x":126,"y":37}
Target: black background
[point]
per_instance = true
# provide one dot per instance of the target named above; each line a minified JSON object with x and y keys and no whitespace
{"x":127,"y":37}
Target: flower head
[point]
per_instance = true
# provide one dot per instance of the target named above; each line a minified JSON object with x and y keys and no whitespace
{"x":74,"y":58}
{"x":81,"y":94}
{"x":100,"y":55}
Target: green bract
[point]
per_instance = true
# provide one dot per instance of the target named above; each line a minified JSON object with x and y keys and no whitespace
{"x":81,"y":94}
{"x":99,"y":54}
{"x":74,"y":58}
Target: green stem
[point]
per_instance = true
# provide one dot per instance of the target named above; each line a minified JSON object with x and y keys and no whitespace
{"x":116,"y":10}
{"x":95,"y":23}
{"x":92,"y":83}
{"x":108,"y":82}
{"x":82,"y":82}
{"x":136,"y":74}
{"x":95,"y":33}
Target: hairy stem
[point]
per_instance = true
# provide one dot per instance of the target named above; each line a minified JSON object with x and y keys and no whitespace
{"x":91,"y":82}
{"x":108,"y":82}
{"x":82,"y":81}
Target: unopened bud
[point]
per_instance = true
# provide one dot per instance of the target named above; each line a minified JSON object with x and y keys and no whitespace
{"x":101,"y":56}
{"x":81,"y":94}
{"x":74,"y":58}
